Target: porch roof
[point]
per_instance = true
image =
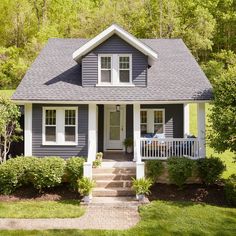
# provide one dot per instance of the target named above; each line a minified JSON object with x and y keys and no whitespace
{"x":55,"y":76}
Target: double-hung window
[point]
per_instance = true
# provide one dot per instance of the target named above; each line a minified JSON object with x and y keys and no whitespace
{"x":50,"y":125}
{"x":115,"y":69}
{"x":143,"y":119}
{"x":60,"y":125}
{"x":124,"y":69}
{"x":105,"y":62}
{"x":152,"y":121}
{"x":159,"y":121}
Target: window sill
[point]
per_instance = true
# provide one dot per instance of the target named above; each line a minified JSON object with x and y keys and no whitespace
{"x":115,"y":85}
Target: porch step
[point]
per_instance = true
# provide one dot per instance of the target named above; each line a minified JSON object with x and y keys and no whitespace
{"x":113,"y":184}
{"x":112,"y":192}
{"x":111,"y":176}
{"x":129,"y":170}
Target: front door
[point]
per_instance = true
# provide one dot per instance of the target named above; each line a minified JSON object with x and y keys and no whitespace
{"x":114,"y":129}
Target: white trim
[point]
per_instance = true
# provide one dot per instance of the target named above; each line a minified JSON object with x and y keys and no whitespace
{"x":60,"y":127}
{"x":115,"y":29}
{"x":137,"y":133}
{"x":92,"y":132}
{"x":23,"y":102}
{"x":201,"y":123}
{"x":28,"y":130}
{"x":186,"y":119}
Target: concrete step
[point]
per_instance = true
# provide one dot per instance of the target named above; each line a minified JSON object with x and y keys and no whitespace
{"x":129,"y":170}
{"x":112,"y":192}
{"x":113,"y":183}
{"x":111,"y":176}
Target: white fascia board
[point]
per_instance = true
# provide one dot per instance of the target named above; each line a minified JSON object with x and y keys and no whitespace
{"x":22,"y":102}
{"x":152,"y":55}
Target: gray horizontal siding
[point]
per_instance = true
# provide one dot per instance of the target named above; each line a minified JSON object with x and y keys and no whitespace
{"x":114,"y":45}
{"x":81,"y":149}
{"x":174,"y":119}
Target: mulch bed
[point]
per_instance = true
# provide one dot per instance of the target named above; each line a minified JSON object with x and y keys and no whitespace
{"x":53,"y":194}
{"x":199,"y":193}
{"x":213,"y":194}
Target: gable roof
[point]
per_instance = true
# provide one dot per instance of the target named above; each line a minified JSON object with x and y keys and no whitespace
{"x":107,"y":33}
{"x":55,"y":76}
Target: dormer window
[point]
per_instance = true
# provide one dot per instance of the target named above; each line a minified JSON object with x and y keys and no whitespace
{"x":124,"y":69}
{"x":114,"y":70}
{"x":105,"y":69}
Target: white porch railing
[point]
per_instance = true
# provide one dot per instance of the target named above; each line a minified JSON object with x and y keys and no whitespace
{"x":153,"y":148}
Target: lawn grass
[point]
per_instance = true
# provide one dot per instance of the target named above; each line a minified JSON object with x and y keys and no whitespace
{"x":226,"y":157}
{"x":6,"y":93}
{"x":41,"y":209}
{"x":165,"y":218}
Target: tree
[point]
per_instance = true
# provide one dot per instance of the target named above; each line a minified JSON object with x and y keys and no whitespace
{"x":9,"y":126}
{"x":223,"y":117}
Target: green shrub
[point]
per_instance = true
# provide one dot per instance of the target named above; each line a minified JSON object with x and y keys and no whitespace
{"x":15,"y":173}
{"x":47,"y":172}
{"x":142,"y":186}
{"x":85,"y":186}
{"x":179,"y":170}
{"x":74,"y":171}
{"x":210,"y":169}
{"x":154,"y":169}
{"x":98,"y":161}
{"x":230,"y":190}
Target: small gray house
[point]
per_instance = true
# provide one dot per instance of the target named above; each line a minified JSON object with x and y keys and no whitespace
{"x":83,"y":96}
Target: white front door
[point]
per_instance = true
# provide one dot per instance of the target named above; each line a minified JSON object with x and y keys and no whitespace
{"x":114,"y":123}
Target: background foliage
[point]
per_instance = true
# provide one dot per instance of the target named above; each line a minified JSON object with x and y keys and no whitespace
{"x":206,"y":27}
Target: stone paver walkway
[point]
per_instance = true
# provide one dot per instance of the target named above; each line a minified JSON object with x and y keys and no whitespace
{"x":97,"y":216}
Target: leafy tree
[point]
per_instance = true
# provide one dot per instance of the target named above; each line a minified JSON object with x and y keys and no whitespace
{"x":9,"y":126}
{"x":223,"y":117}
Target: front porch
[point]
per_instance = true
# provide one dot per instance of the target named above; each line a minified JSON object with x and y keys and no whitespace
{"x":110,"y":124}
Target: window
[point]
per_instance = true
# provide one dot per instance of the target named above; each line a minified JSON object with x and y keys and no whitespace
{"x":158,"y":121}
{"x":106,"y":69}
{"x":70,"y":125}
{"x":152,"y":121}
{"x":124,"y":69}
{"x":50,"y":126}
{"x":143,"y":119}
{"x":115,"y":69}
{"x":60,"y":126}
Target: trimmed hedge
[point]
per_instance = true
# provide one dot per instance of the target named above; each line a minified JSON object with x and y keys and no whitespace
{"x":42,"y":173}
{"x":210,"y":169}
{"x":154,"y":168}
{"x":47,"y":172}
{"x":179,"y":169}
{"x":74,"y":171}
{"x":230,"y":190}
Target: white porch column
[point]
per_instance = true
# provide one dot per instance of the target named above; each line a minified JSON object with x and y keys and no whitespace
{"x":92,"y":132}
{"x":28,"y":130}
{"x":136,"y":121}
{"x":201,"y":123}
{"x":186,"y":119}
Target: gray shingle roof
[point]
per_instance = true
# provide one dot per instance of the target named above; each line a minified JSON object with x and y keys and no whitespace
{"x":55,"y":76}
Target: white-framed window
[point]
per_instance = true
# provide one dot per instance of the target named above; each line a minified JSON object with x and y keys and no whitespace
{"x":114,"y":70}
{"x":159,"y":121}
{"x":143,"y":121}
{"x":152,"y":121}
{"x":124,"y":68}
{"x":106,"y":63}
{"x":60,"y":125}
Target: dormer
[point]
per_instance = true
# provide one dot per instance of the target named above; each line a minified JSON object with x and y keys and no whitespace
{"x":114,"y":58}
